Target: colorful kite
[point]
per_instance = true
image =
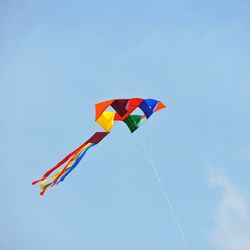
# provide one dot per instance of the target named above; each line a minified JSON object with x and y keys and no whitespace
{"x":122,"y":110}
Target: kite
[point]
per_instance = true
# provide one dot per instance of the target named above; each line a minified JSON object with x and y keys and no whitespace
{"x":106,"y":114}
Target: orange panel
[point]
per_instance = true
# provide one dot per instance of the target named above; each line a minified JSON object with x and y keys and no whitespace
{"x":100,"y":108}
{"x":159,"y":106}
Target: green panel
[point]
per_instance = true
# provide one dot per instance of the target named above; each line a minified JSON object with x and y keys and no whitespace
{"x":136,"y":119}
{"x":132,"y":122}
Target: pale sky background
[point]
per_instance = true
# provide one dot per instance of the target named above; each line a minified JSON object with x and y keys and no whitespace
{"x":58,"y":58}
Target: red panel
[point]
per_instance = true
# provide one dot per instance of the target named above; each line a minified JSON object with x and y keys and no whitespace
{"x":133,"y":104}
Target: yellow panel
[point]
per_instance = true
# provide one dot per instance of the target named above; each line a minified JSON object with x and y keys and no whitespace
{"x":106,"y":120}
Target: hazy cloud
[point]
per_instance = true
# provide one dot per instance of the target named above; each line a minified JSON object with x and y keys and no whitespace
{"x":231,"y":229}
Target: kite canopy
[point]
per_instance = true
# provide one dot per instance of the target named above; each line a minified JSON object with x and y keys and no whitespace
{"x":122,"y":110}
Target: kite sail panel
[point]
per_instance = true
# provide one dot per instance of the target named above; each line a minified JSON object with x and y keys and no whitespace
{"x":122,"y":110}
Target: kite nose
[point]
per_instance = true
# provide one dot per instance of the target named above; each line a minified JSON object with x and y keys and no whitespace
{"x":160,"y":106}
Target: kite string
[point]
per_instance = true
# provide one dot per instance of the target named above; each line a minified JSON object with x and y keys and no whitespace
{"x":177,"y":222}
{"x":147,"y":156}
{"x":151,"y":138}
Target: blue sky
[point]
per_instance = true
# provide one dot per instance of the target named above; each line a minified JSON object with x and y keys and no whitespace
{"x":58,"y":58}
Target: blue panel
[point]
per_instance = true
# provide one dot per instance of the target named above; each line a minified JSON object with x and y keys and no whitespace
{"x":146,"y":109}
{"x":75,"y":163}
{"x":151,"y":103}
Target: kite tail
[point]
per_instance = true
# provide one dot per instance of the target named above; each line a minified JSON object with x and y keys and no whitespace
{"x":70,"y":161}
